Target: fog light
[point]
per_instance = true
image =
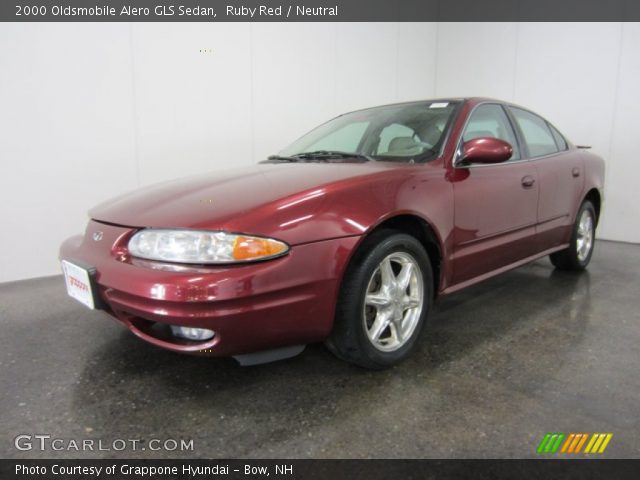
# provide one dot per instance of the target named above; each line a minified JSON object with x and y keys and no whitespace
{"x":191,"y":333}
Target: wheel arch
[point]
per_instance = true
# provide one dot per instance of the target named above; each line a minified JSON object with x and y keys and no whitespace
{"x":422,"y":230}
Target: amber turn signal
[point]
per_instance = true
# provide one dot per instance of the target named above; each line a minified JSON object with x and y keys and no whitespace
{"x":253,"y":248}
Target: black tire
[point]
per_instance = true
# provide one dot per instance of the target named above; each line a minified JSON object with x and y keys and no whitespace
{"x":570,"y":258}
{"x":349,"y":339}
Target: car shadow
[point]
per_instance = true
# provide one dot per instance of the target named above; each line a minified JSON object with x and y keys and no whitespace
{"x":533,"y":293}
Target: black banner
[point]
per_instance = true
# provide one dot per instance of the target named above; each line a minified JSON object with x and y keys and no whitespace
{"x":318,"y":10}
{"x":318,"y":469}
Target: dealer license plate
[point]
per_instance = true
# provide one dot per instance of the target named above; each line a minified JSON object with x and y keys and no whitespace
{"x":78,"y":281}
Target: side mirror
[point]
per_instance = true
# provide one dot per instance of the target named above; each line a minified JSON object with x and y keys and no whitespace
{"x":486,"y":150}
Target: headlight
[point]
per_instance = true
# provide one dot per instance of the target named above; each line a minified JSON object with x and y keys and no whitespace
{"x":195,"y":246}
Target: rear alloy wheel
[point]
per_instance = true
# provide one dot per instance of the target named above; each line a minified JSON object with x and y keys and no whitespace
{"x":580,"y":250}
{"x":383,"y":302}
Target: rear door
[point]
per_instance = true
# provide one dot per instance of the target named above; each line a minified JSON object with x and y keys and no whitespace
{"x":560,"y":173}
{"x":495,"y":205}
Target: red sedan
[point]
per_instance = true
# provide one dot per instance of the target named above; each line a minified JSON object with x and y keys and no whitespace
{"x":347,"y":236}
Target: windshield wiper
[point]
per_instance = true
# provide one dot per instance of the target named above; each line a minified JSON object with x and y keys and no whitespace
{"x":319,"y":154}
{"x":283,"y":158}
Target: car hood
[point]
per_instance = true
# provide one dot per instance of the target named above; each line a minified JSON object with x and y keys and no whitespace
{"x":265,"y":199}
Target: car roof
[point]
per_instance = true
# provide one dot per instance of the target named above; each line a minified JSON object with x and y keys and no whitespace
{"x":471,"y":100}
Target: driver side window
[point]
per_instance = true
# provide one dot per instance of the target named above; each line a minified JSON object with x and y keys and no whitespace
{"x":490,"y":120}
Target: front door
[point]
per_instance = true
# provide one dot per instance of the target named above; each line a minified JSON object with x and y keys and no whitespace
{"x":495,"y":205}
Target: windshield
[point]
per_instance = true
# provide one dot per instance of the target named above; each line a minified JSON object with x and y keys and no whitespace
{"x":411,"y":132}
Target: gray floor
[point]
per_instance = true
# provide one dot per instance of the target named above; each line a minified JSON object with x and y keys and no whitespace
{"x":529,"y":352}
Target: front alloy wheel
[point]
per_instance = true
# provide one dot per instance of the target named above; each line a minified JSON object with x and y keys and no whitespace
{"x":393,"y":303}
{"x":384,"y":300}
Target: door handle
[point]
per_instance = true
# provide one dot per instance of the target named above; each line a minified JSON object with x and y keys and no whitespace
{"x":528,"y":181}
{"x":575,"y":172}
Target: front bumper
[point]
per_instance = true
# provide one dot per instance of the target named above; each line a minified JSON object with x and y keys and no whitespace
{"x":252,"y":307}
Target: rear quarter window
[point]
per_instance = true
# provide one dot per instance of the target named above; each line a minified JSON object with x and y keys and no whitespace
{"x":560,"y":140}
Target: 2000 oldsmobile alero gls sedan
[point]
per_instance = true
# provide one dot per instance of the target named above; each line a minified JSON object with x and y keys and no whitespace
{"x":347,"y":236}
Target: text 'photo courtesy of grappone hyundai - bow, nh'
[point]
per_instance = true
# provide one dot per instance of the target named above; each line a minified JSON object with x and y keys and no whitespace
{"x":346,"y":237}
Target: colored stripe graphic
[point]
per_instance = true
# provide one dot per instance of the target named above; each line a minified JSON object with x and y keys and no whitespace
{"x":543,"y":443}
{"x":598,"y":443}
{"x":565,"y":447}
{"x":576,"y":439}
{"x":574,"y":442}
{"x":594,"y":437}
{"x":550,"y":443}
{"x":605,"y":443}
{"x":581,"y":443}
{"x":555,"y":447}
